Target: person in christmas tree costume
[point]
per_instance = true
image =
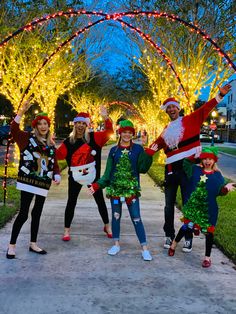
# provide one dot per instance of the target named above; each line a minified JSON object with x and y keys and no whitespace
{"x":38,"y":167}
{"x":180,"y":139}
{"x":124,"y":164}
{"x":201,"y":210}
{"x":75,"y":149}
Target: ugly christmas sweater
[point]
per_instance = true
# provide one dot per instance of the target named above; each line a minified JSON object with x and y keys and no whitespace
{"x":189,"y":142}
{"x":38,"y":163}
{"x":214,"y":185}
{"x":140,"y":163}
{"x":68,"y":150}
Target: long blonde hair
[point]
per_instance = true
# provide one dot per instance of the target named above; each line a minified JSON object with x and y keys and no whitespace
{"x":73,"y":136}
{"x":49,"y":141}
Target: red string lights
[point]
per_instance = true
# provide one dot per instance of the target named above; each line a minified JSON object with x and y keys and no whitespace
{"x":129,"y":107}
{"x":116,"y":17}
{"x":171,"y":17}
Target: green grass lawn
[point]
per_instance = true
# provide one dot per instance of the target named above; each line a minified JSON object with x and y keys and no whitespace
{"x":228,"y":150}
{"x":225,"y":237}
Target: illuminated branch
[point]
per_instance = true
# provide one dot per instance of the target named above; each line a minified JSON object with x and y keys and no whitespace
{"x":116,"y":16}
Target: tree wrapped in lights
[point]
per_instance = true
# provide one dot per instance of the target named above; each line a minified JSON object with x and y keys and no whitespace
{"x":197,"y":63}
{"x":20,"y":60}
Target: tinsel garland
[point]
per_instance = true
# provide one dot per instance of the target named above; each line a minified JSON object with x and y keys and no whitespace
{"x":196,"y":209}
{"x":124,"y":184}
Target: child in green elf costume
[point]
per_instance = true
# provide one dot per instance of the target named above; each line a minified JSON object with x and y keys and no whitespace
{"x":201,"y":210}
{"x":125,"y":162}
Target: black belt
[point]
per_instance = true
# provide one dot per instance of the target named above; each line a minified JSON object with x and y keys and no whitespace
{"x":184,"y":143}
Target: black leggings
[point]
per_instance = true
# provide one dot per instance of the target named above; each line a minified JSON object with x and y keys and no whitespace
{"x":188,"y":233}
{"x":26,"y":199}
{"x":73,"y":193}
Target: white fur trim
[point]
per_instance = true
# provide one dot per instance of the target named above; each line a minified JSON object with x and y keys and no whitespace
{"x":182,"y":155}
{"x":218,"y":98}
{"x":57,"y":177}
{"x":171,"y":102}
{"x":82,"y":119}
{"x":17,"y":119}
{"x":83,"y":166}
{"x":31,"y":189}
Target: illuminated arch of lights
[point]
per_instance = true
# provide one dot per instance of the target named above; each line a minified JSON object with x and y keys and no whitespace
{"x":116,"y":17}
{"x":129,"y":107}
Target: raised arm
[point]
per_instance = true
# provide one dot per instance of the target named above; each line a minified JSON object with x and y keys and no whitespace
{"x":203,"y":112}
{"x":19,"y":136}
{"x":103,"y":136}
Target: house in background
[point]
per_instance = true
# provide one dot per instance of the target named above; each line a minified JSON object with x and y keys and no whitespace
{"x":230,"y":100}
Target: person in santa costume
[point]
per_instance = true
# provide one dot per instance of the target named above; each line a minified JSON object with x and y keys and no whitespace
{"x":201,"y":210}
{"x":38,"y":167}
{"x":180,"y":139}
{"x":82,"y":151}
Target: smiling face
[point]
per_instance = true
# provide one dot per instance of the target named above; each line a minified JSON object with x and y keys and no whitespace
{"x":126,"y":137}
{"x":173,"y":112}
{"x":43,"y":127}
{"x":80,"y":128}
{"x":208,"y":163}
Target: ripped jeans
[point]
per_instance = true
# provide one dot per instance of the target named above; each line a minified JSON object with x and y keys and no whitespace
{"x":134,"y":211}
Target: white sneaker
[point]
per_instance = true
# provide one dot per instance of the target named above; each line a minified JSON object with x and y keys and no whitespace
{"x":167,"y":243}
{"x":146,"y":255}
{"x":187,"y":248}
{"x":114,"y":250}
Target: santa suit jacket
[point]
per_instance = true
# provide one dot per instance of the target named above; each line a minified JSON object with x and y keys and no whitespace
{"x":190,"y":141}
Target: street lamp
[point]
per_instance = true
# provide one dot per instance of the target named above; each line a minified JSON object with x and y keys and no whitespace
{"x":213,"y":127}
{"x":222,"y":122}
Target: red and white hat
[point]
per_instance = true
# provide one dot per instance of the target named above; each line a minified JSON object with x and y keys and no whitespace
{"x":170,"y":101}
{"x":83,"y":117}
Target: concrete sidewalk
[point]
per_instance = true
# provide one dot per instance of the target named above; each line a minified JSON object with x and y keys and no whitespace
{"x":79,"y":277}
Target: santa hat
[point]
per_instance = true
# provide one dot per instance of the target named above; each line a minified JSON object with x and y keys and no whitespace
{"x":209,"y":152}
{"x":82,"y":156}
{"x":82,"y":117}
{"x":41,"y":116}
{"x":126,"y":125}
{"x":170,"y":101}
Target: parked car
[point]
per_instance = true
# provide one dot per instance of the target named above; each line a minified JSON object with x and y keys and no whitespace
{"x":4,"y":134}
{"x":208,"y":138}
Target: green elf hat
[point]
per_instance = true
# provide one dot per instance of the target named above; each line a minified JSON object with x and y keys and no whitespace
{"x":126,"y":125}
{"x":41,"y":116}
{"x":209,"y":152}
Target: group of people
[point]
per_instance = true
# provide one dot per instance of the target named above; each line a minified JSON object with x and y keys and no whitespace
{"x":126,"y":160}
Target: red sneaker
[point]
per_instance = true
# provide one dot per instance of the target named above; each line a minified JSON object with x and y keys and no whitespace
{"x":171,"y":252}
{"x":109,"y":235}
{"x":206,"y":263}
{"x":66,"y":238}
